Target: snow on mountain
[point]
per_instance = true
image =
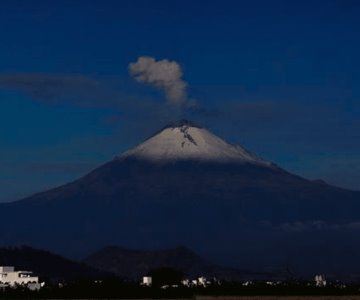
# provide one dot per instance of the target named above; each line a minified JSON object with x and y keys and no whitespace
{"x":186,"y":141}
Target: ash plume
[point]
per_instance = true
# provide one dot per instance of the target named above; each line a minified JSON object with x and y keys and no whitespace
{"x":162,"y":74}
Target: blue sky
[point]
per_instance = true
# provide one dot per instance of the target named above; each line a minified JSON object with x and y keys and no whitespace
{"x":280,"y":77}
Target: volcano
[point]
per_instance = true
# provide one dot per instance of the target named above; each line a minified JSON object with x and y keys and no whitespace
{"x":185,"y":141}
{"x":186,"y":186}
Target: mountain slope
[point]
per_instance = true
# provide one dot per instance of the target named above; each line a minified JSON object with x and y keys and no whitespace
{"x":242,"y":211}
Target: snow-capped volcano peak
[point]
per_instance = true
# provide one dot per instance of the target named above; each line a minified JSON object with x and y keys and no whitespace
{"x":187,"y":141}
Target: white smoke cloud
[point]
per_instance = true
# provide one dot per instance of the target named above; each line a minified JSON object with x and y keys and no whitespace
{"x":163,"y":74}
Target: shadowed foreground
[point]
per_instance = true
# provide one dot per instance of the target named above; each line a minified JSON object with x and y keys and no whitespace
{"x":115,"y":289}
{"x":278,"y":297}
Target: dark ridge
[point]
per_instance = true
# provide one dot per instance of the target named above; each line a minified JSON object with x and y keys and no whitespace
{"x":48,"y":265}
{"x":133,"y":264}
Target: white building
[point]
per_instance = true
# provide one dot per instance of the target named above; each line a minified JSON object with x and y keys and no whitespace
{"x":320,"y":281}
{"x":203,"y":281}
{"x":147,"y":281}
{"x":10,"y":277}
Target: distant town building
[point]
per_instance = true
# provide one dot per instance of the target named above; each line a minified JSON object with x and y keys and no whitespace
{"x":147,"y":280}
{"x":185,"y":282}
{"x":12,"y":278}
{"x":201,"y":281}
{"x":320,"y":281}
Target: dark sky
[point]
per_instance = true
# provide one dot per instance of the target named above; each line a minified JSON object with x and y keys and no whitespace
{"x":280,"y":77}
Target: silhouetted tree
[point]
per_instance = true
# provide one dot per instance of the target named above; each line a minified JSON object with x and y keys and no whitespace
{"x":166,"y":276}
